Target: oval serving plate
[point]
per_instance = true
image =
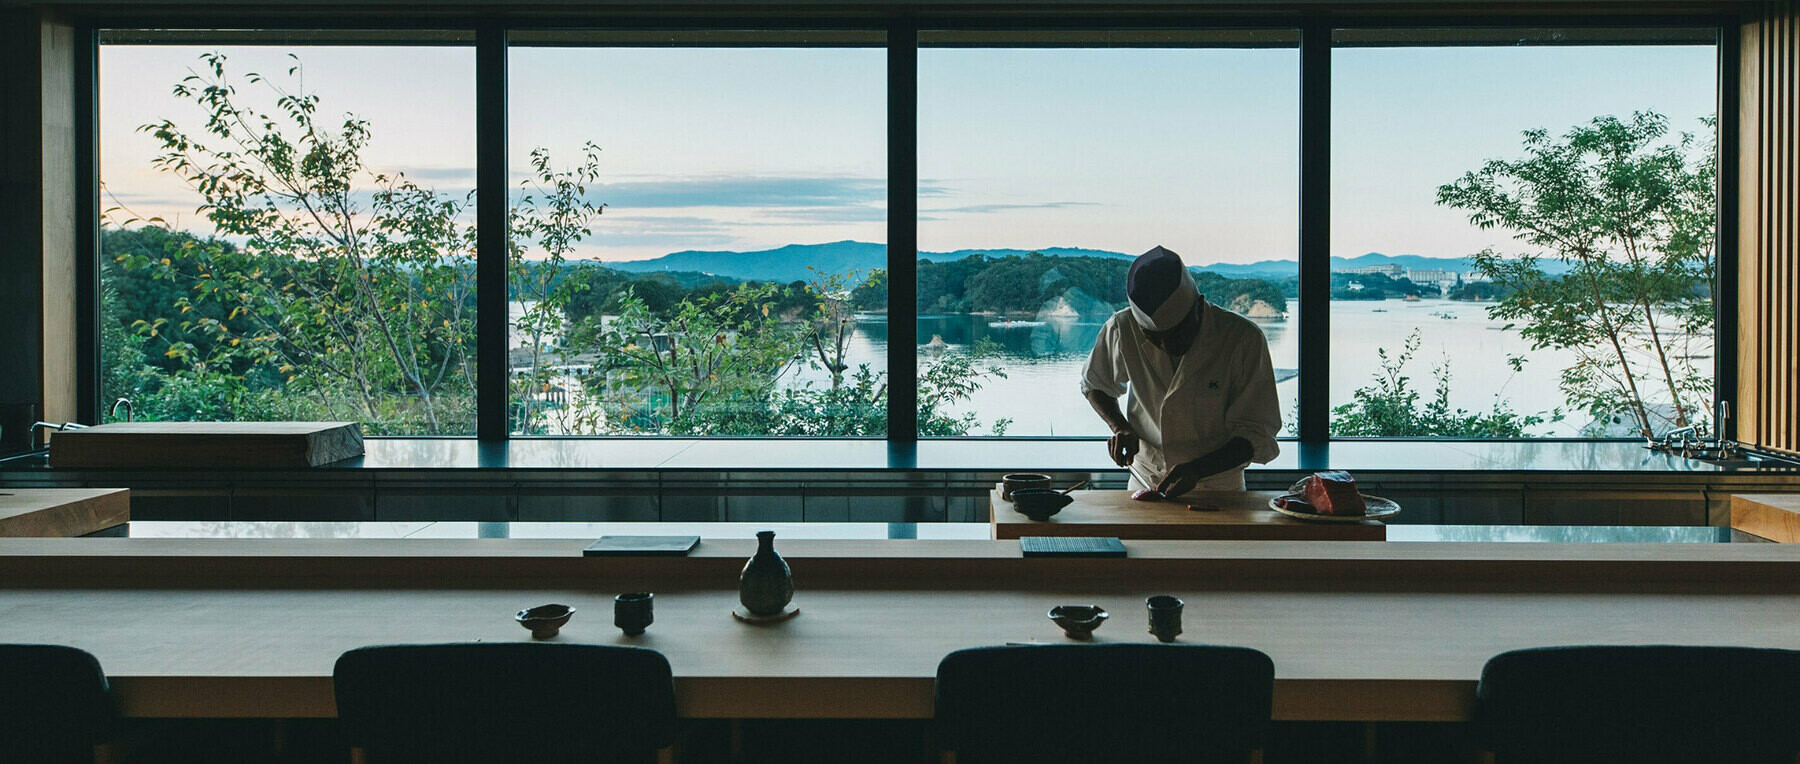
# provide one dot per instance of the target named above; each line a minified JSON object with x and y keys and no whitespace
{"x":1377,"y":506}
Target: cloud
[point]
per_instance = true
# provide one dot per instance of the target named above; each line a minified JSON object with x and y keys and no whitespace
{"x":826,"y":215}
{"x":744,"y":191}
{"x":979,"y":209}
{"x":422,"y":174}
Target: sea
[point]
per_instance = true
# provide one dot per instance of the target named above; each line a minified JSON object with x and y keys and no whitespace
{"x":1042,"y":360}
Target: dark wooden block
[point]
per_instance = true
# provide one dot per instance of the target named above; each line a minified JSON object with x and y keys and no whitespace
{"x":207,"y":444}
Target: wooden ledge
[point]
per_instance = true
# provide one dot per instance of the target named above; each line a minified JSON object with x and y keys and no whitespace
{"x":867,"y":562}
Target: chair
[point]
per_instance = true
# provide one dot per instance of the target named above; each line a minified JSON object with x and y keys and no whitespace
{"x":1104,"y":703}
{"x":1640,"y":704}
{"x":501,"y":702}
{"x":55,"y":705}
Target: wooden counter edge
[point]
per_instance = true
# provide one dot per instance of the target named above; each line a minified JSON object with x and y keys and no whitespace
{"x":297,"y":697}
{"x":107,"y":562}
{"x":1775,"y":517}
{"x":97,"y":510}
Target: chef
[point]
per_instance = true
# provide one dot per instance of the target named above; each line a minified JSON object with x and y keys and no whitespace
{"x":1202,"y":388}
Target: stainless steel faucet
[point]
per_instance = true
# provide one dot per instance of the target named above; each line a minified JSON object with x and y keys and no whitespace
{"x":130,"y":409}
{"x":1699,"y":440}
{"x":43,"y":427}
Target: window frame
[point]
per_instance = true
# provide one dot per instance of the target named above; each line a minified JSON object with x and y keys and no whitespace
{"x":902,"y":29}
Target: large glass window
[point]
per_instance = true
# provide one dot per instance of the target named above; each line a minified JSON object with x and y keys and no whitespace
{"x":699,"y":234}
{"x":1522,"y":232}
{"x":1045,"y":170}
{"x":287,"y":231}
{"x":1522,"y":239}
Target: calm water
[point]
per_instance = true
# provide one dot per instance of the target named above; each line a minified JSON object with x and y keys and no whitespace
{"x":1043,"y":361}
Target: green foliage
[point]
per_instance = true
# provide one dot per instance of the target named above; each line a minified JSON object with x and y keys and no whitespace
{"x":713,"y":364}
{"x":1034,"y":282}
{"x":348,"y":288}
{"x":1633,"y":214}
{"x":1392,"y":407}
{"x":1479,"y":291}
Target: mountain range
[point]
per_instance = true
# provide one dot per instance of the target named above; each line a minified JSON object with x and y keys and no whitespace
{"x":796,"y":262}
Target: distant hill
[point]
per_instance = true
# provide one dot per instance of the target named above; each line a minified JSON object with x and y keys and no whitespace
{"x":790,"y":263}
{"x":782,"y":264}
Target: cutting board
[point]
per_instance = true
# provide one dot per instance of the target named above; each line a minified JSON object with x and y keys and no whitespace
{"x":61,"y":512}
{"x":207,"y":444}
{"x":1234,"y":516}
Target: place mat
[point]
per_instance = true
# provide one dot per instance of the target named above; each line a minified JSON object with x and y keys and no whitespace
{"x":1071,"y":546}
{"x":641,"y":546}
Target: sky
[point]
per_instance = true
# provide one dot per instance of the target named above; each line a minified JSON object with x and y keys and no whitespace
{"x":1118,"y":149}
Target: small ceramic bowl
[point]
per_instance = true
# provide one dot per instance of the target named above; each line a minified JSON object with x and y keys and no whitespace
{"x":544,"y":620}
{"x":1078,"y":621}
{"x":1017,"y":480}
{"x":1040,"y":503}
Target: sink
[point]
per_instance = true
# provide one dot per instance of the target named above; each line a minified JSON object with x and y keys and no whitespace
{"x":1748,"y":461}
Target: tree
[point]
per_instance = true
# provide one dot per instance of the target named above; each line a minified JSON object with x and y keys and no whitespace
{"x":678,"y":372}
{"x":554,"y":214}
{"x":1632,"y":214}
{"x":1392,"y":408}
{"x":355,"y":287}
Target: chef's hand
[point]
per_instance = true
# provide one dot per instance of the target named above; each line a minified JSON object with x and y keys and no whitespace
{"x":1183,"y":478}
{"x":1186,"y":475}
{"x":1123,"y":445}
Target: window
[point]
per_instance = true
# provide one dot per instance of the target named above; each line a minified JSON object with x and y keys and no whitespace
{"x":288,"y":230}
{"x":1523,"y":232}
{"x":699,"y":236}
{"x":697,"y":224}
{"x":1045,"y":170}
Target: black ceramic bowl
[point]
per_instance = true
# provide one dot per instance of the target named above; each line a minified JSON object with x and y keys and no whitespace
{"x":1078,"y":621}
{"x":1021,"y":480}
{"x":1039,"y":503}
{"x":545,"y":620}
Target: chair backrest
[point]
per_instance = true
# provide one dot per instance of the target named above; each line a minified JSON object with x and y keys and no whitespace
{"x":54,"y":704}
{"x":542,"y":703}
{"x":1104,"y":703}
{"x":1640,"y":704}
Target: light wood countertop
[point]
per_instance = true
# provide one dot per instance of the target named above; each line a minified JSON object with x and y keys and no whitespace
{"x":1358,"y":630}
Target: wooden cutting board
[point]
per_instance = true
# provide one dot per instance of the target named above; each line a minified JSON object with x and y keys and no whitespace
{"x":61,"y":512}
{"x":207,"y":444}
{"x":1231,"y":515}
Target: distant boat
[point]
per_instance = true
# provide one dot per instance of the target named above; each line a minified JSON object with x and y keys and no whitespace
{"x":1410,"y":298}
{"x":1011,"y":324}
{"x":1379,"y":310}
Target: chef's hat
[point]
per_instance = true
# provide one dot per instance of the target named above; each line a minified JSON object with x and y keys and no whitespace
{"x":1160,"y":289}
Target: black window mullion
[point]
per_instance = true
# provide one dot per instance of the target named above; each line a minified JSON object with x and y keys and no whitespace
{"x":88,"y":405}
{"x":1725,"y":309}
{"x":1315,"y":232}
{"x":491,"y":245}
{"x":903,"y":235}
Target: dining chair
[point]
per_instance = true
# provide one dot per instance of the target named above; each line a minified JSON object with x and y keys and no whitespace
{"x":1104,"y":703}
{"x":55,"y":705}
{"x":497,"y":702}
{"x":1642,"y":704}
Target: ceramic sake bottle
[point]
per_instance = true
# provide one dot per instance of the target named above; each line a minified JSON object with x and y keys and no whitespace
{"x":766,"y":585}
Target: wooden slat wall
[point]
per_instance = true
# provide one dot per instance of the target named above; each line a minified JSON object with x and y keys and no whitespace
{"x":1769,"y":230}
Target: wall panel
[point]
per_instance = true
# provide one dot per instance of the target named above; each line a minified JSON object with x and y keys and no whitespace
{"x":1769,"y":229}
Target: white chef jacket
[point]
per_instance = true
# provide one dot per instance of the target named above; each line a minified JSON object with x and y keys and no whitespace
{"x":1182,"y":409}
